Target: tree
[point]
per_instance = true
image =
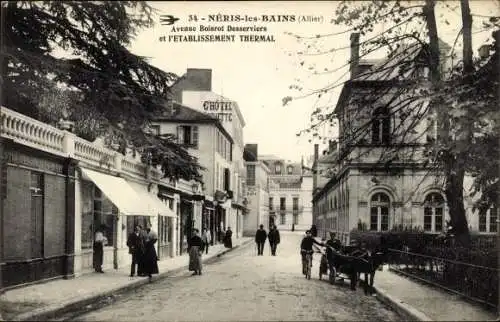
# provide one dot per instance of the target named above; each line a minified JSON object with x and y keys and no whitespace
{"x":454,"y":98}
{"x":107,"y":90}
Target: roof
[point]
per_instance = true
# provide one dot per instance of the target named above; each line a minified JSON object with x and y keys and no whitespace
{"x":185,"y":114}
{"x":392,"y":68}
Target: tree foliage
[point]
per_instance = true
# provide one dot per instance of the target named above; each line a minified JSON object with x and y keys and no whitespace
{"x":103,"y":87}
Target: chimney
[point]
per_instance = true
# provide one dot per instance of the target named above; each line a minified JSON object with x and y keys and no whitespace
{"x":198,"y":79}
{"x":354,"y":54}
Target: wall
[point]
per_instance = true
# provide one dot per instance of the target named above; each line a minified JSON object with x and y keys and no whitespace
{"x":22,"y":265}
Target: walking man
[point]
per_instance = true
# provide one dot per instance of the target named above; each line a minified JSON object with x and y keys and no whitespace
{"x":260,"y":240}
{"x":135,"y":243}
{"x":206,"y":238}
{"x":274,"y":239}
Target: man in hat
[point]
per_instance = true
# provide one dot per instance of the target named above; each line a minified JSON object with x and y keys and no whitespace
{"x":260,"y":240}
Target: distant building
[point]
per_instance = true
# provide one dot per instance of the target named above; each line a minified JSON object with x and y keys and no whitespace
{"x":290,"y":190}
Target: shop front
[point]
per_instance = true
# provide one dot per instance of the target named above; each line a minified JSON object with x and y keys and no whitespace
{"x":112,"y":206}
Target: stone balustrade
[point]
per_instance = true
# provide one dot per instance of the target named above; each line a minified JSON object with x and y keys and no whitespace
{"x":31,"y":132}
{"x":27,"y":131}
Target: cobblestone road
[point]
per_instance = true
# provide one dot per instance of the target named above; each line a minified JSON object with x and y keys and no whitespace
{"x":241,"y":286}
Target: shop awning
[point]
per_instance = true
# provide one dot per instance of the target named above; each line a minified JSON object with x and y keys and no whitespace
{"x":154,"y":204}
{"x":119,"y":192}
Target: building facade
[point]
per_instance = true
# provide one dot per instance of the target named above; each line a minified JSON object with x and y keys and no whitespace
{"x":206,"y":139}
{"x":194,"y":89}
{"x":290,"y":190}
{"x":257,"y":191}
{"x":60,"y":189}
{"x":376,"y":178}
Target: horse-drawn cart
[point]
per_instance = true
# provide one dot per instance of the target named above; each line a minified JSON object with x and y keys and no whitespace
{"x":340,"y":265}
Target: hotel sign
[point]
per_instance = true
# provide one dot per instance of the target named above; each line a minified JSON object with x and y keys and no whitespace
{"x":223,"y":110}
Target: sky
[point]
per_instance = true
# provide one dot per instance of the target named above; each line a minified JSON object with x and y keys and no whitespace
{"x":257,"y":75}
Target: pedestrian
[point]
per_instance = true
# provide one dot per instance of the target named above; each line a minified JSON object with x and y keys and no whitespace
{"x":99,"y":242}
{"x":228,"y":241}
{"x":314,"y":231}
{"x":135,"y":243}
{"x":195,"y":249}
{"x":260,"y":240}
{"x":274,"y":239}
{"x":150,"y":259}
{"x":206,"y":237}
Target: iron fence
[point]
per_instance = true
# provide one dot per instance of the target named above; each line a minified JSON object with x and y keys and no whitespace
{"x":473,"y":281}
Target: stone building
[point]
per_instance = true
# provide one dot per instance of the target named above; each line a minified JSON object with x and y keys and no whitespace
{"x":194,"y":90}
{"x":58,"y":189}
{"x":376,"y":178}
{"x":290,"y":190}
{"x":206,"y":139}
{"x":257,"y":191}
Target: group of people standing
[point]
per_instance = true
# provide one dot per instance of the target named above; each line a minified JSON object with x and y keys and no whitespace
{"x":260,"y":239}
{"x":141,"y":246}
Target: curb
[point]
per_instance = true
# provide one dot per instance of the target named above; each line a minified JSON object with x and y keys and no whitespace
{"x":51,"y":312}
{"x":402,"y":308}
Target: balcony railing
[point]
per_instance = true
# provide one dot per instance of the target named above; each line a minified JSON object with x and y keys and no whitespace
{"x":41,"y":136}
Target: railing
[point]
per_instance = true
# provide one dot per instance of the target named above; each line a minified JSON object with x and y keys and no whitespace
{"x":473,"y":281}
{"x":26,"y":130}
{"x":39,"y":135}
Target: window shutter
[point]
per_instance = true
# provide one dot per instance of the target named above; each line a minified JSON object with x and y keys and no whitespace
{"x":194,"y":136}
{"x":180,"y":134}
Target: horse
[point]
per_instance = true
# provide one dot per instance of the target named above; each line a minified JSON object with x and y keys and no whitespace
{"x":353,"y":266}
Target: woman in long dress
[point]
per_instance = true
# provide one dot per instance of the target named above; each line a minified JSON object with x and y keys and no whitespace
{"x":99,"y":242}
{"x":150,"y":259}
{"x":195,"y":249}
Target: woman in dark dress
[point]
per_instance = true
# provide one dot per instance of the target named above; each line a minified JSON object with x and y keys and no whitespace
{"x":228,"y":241}
{"x":195,"y":249}
{"x":150,"y":259}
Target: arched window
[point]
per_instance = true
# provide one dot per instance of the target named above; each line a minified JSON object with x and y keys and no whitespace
{"x":381,"y":126}
{"x":379,"y":212}
{"x":433,"y":212}
{"x":290,"y":169}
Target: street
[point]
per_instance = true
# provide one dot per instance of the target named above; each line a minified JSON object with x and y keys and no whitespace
{"x":242,"y":286}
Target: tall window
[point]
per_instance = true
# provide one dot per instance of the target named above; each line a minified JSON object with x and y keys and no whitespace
{"x":290,"y":169}
{"x":283,"y":219}
{"x":36,"y":188}
{"x":271,"y":203}
{"x":187,"y":135}
{"x":379,"y":212}
{"x":104,"y":212}
{"x":227,"y":179}
{"x":277,"y":168}
{"x":295,"y":219}
{"x":381,"y":126}
{"x":282,"y":203}
{"x":433,"y":212}
{"x":488,"y":220}
{"x":295,"y":204}
{"x":251,"y":175}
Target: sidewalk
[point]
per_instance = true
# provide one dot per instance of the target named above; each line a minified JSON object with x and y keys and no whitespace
{"x":46,"y":300}
{"x":420,"y":302}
